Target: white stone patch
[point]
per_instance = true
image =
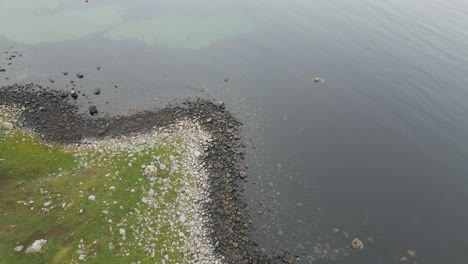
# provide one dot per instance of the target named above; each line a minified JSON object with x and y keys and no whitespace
{"x":36,"y":246}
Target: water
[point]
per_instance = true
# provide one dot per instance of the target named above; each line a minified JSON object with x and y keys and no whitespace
{"x":379,"y":151}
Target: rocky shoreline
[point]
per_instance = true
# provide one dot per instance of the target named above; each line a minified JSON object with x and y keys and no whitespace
{"x":54,"y":116}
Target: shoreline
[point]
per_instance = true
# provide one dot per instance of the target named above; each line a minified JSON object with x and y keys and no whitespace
{"x":54,"y":117}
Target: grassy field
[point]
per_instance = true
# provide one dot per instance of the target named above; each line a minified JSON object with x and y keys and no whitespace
{"x":44,"y":194}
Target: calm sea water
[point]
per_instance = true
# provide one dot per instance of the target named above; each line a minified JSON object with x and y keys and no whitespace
{"x":379,"y":151}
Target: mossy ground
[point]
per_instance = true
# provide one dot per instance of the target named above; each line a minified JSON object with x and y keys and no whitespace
{"x":33,"y":173}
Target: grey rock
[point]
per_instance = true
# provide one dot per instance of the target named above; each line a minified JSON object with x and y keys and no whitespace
{"x":97,"y":91}
{"x":93,"y":110}
{"x":19,"y":248}
{"x":36,"y":246}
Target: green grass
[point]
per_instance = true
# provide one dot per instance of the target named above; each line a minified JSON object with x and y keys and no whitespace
{"x":33,"y":171}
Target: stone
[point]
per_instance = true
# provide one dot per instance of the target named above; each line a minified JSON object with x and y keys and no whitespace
{"x":411,"y":253}
{"x":318,"y":80}
{"x":79,"y":75}
{"x":73,"y":94}
{"x":122,"y":231}
{"x":357,"y":244}
{"x":93,"y":110}
{"x":7,"y":125}
{"x":242,"y":174}
{"x":151,"y":192}
{"x":182,"y":219}
{"x":81,"y":257}
{"x":36,"y":246}
{"x":92,"y":197}
{"x":197,"y":153}
{"x":47,"y":203}
{"x":19,"y":248}
{"x":97,"y":91}
{"x":151,"y":171}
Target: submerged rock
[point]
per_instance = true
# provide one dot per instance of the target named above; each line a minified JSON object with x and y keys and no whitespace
{"x":36,"y":246}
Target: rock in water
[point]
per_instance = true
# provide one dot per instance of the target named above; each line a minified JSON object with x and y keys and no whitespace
{"x":93,"y":110}
{"x":318,"y":80}
{"x":36,"y":246}
{"x":73,"y":94}
{"x":150,"y":172}
{"x":357,"y":244}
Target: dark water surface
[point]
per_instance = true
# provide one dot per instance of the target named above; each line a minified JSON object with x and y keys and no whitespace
{"x":379,"y":151}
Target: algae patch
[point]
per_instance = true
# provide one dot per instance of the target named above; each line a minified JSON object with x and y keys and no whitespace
{"x":181,"y":31}
{"x":35,"y":22}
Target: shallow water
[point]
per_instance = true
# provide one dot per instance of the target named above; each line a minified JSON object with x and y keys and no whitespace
{"x":378,"y":151}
